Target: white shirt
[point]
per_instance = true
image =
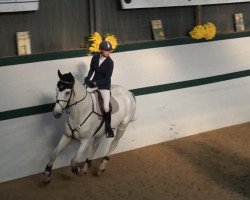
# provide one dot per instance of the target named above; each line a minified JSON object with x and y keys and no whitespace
{"x":101,"y":59}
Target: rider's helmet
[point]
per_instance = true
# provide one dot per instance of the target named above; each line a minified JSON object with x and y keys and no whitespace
{"x":105,"y":45}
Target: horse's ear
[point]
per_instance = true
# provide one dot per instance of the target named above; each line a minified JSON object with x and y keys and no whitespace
{"x":59,"y":74}
{"x":73,"y":79}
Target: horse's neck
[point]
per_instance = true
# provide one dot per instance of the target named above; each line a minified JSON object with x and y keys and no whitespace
{"x":80,"y":94}
{"x":79,"y":90}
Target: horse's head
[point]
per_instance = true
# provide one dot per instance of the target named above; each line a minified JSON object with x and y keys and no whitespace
{"x":64,"y":93}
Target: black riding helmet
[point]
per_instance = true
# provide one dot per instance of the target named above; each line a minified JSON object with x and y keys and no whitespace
{"x":105,"y":45}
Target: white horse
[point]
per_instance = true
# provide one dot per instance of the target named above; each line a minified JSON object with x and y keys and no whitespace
{"x":85,"y":122}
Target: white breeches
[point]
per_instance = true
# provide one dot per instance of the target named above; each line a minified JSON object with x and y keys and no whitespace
{"x":105,"y":95}
{"x":106,"y":99}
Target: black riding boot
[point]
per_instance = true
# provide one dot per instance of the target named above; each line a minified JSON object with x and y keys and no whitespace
{"x":107,"y":119}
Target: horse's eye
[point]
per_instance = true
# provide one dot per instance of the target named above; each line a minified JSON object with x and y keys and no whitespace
{"x":67,"y":93}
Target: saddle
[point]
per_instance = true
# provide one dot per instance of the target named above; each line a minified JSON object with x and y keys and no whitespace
{"x":113,"y":104}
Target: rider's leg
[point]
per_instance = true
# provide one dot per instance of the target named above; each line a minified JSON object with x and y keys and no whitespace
{"x":107,"y":113}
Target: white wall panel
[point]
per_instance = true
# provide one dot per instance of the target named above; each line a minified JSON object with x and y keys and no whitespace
{"x":34,"y":84}
{"x":18,"y":5}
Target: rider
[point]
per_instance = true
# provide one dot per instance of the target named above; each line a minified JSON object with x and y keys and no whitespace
{"x":102,"y":67}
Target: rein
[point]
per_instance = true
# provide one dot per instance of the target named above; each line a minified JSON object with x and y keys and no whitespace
{"x":73,"y":104}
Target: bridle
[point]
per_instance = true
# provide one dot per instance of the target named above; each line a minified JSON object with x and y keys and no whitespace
{"x":72,"y":93}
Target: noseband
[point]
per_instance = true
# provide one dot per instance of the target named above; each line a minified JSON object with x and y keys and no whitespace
{"x":60,"y":100}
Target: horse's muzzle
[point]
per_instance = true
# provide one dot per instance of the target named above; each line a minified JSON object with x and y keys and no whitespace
{"x":57,"y":114}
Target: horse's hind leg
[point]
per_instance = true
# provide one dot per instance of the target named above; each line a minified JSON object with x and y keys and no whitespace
{"x":119,"y":133}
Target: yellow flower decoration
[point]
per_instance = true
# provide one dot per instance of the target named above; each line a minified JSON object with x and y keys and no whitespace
{"x":112,"y":39}
{"x":206,"y":31}
{"x":94,"y":40}
{"x":198,"y":32}
{"x":210,"y":31}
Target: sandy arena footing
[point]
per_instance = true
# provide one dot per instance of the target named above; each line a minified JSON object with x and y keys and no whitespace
{"x":208,"y":166}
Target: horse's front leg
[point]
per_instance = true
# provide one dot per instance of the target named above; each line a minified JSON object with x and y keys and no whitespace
{"x":76,"y":165}
{"x":87,"y":163}
{"x":63,"y":143}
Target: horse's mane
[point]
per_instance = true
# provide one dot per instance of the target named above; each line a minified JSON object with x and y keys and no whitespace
{"x":78,"y":87}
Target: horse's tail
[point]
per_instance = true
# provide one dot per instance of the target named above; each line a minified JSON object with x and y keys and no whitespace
{"x":133,"y":117}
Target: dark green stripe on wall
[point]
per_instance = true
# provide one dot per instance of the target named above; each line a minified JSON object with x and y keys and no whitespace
{"x":22,"y":112}
{"x":7,"y":61}
{"x":138,"y":92}
{"x":190,"y":83}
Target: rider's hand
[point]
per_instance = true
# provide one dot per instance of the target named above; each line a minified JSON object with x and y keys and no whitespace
{"x":86,"y":80}
{"x":91,"y":84}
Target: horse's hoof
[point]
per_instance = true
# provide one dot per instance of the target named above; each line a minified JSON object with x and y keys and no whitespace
{"x":81,"y":174}
{"x":47,"y":180}
{"x":78,"y":171}
{"x":98,"y":172}
{"x":47,"y":173}
{"x":74,"y":170}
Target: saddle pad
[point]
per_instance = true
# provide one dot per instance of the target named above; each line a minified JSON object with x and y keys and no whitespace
{"x":114,"y":104}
